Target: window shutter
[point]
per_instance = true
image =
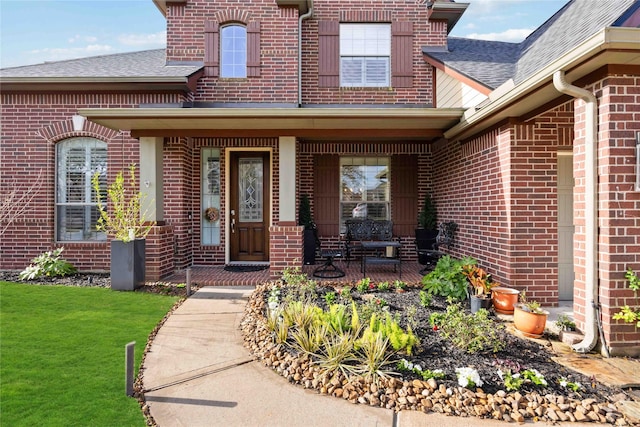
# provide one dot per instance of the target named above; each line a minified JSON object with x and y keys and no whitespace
{"x":211,"y":49}
{"x":404,"y":194}
{"x":402,"y":54}
{"x":326,"y":197}
{"x":328,"y":54}
{"x":253,"y":49}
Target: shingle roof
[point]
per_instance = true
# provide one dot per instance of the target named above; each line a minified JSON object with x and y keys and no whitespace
{"x":148,"y":63}
{"x":493,"y":63}
{"x":488,"y":62}
{"x":568,"y":28}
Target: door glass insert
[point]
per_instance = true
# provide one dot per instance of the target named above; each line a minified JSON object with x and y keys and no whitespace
{"x":210,"y":196}
{"x":250,"y":174}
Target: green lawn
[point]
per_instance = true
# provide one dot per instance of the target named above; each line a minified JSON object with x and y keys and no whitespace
{"x":62,"y":353}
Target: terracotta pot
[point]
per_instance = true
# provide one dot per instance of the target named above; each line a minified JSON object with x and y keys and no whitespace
{"x":504,"y":299}
{"x":530,"y":324}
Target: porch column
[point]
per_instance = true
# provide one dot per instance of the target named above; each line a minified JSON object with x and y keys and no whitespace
{"x":151,"y":177}
{"x":287,"y":171}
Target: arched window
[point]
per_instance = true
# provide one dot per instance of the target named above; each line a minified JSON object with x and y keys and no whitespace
{"x":233,"y":51}
{"x":77,"y":159}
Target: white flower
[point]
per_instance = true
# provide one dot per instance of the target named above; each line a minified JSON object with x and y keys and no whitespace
{"x":273,"y":305}
{"x":449,"y":391}
{"x":578,"y":385}
{"x":468,"y":377}
{"x":516,"y":375}
{"x":417,"y":368}
{"x":438,"y":371}
{"x":563,"y":382}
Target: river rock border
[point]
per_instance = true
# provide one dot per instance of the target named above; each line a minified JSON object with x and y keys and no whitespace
{"x":416,"y":395}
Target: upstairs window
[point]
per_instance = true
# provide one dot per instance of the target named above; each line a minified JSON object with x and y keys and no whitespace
{"x":77,"y":159}
{"x":365,"y":55}
{"x":233,"y":51}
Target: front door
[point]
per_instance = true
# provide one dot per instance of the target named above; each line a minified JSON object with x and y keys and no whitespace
{"x":249,"y":206}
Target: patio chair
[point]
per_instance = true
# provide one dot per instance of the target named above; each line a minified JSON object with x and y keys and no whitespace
{"x":428,"y":248}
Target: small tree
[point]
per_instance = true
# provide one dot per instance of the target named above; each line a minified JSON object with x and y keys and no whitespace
{"x":15,"y":199}
{"x":304,"y":213}
{"x":428,"y":218}
{"x":126,"y":222}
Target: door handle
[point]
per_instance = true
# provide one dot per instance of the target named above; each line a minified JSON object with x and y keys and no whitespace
{"x":233,"y":225}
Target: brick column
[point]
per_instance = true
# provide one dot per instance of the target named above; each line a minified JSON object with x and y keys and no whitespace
{"x":285,"y":248}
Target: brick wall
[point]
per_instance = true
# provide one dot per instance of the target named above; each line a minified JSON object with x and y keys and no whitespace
{"x":425,"y":33}
{"x":500,"y":187}
{"x":285,"y":248}
{"x":619,"y":203}
{"x":31,"y":126}
{"x":278,"y":80}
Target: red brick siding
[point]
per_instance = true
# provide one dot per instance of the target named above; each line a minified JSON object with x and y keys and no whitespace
{"x":425,"y":33}
{"x":278,"y":79}
{"x":285,"y":248}
{"x":500,"y":188}
{"x":619,"y":205}
{"x":31,"y":126}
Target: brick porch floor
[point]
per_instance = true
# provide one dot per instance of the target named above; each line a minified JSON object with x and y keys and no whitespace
{"x":217,"y":276}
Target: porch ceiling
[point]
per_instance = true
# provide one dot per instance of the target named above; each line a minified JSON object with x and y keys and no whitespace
{"x":307,"y":123}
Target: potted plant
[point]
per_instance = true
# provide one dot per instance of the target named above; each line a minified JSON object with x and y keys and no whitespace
{"x":481,"y":284}
{"x":427,"y":230}
{"x":529,"y":318}
{"x":123,"y":219}
{"x":310,"y":234}
{"x":504,"y":299}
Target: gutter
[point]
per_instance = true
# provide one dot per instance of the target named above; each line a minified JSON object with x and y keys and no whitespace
{"x":590,"y":208}
{"x":300,"y":19}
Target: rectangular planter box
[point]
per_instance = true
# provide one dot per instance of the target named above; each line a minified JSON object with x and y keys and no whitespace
{"x":127,"y":264}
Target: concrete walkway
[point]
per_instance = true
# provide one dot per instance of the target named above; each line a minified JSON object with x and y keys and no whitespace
{"x":198,"y":373}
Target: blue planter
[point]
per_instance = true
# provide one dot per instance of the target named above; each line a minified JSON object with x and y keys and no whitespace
{"x":127,"y":264}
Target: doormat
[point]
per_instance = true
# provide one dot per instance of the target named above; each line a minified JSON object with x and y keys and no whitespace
{"x":245,"y":268}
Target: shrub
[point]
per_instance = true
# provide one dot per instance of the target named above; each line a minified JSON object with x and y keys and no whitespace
{"x":448,"y":279}
{"x":425,"y":299}
{"x":48,"y":264}
{"x":372,"y":358}
{"x":471,"y":332}
{"x":626,"y":313}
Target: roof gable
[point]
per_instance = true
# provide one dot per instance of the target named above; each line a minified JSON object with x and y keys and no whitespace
{"x":493,"y":63}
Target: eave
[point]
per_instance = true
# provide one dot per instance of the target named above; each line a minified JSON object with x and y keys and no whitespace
{"x":445,"y":11}
{"x":162,"y":5}
{"x":100,"y":84}
{"x":610,"y":46}
{"x":339,"y":123}
{"x":469,"y":81}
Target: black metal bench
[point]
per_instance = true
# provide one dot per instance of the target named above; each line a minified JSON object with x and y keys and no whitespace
{"x":359,"y":230}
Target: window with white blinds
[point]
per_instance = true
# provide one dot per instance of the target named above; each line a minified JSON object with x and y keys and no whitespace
{"x":77,"y":159}
{"x":365,"y":51}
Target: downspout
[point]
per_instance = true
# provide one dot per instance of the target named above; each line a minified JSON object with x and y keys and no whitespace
{"x":300,"y":19}
{"x":590,"y":206}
